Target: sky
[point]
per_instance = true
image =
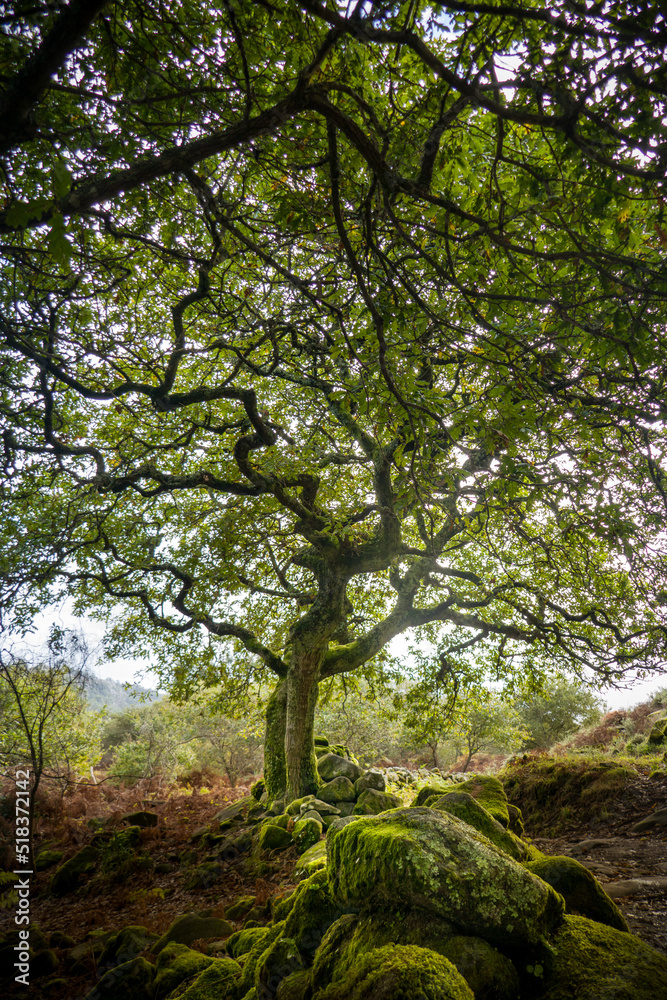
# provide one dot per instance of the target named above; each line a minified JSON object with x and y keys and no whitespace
{"x":138,"y":671}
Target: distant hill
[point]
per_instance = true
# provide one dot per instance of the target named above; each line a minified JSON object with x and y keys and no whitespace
{"x":101,"y":691}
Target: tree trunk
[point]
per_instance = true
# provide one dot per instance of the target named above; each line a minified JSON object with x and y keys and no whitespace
{"x":302,"y":692}
{"x":275,"y":768}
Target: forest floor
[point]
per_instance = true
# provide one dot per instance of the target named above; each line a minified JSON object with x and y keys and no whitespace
{"x":154,"y":898}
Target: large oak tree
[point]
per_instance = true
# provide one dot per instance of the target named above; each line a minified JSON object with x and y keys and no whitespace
{"x":322,"y":323}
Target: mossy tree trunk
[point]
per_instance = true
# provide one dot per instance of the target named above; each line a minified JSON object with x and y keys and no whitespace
{"x":275,"y":768}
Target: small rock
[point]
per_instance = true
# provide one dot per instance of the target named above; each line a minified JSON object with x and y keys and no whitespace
{"x":191,"y":926}
{"x":371,"y":779}
{"x":630,"y":886}
{"x":273,"y":838}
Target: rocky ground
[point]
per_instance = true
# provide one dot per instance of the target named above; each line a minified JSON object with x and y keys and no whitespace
{"x":600,"y":833}
{"x":630,"y":863}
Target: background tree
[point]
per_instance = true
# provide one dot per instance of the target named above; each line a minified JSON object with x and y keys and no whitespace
{"x":557,"y":711}
{"x":322,"y":324}
{"x":43,"y":723}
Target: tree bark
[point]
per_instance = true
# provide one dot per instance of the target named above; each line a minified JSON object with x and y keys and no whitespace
{"x":302,"y":693}
{"x":275,"y":768}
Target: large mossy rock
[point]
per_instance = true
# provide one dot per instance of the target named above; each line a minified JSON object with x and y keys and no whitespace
{"x":131,"y":981}
{"x":274,"y":838}
{"x":486,"y":790}
{"x":594,"y":962}
{"x":489,"y":974}
{"x":125,"y":945}
{"x":176,"y":963}
{"x":332,"y":766}
{"x":580,"y":889}
{"x":399,"y":972}
{"x":435,"y":862}
{"x":312,"y":912}
{"x":371,"y":802}
{"x":217,"y":982}
{"x":340,"y":789}
{"x":67,"y":878}
{"x":471,"y":811}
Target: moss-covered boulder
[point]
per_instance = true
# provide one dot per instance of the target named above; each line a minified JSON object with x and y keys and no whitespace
{"x":203,"y":876}
{"x":306,"y":833}
{"x":658,"y":735}
{"x":217,"y":982}
{"x":46,"y":859}
{"x":432,"y":789}
{"x":471,"y":811}
{"x":190,"y":927}
{"x":401,"y":973}
{"x":340,"y":789}
{"x":235,"y":810}
{"x":489,"y":974}
{"x":353,"y":935}
{"x":591,"y":960}
{"x":241,"y":906}
{"x":43,"y":963}
{"x":311,"y":861}
{"x":253,"y":957}
{"x":131,"y":981}
{"x":277,"y":962}
{"x":293,"y":808}
{"x":274,"y":838}
{"x":295,"y":987}
{"x":176,"y":963}
{"x":580,"y":889}
{"x":67,"y":878}
{"x":331,"y":766}
{"x":431,"y":860}
{"x":371,"y":802}
{"x":370,"y":779}
{"x":243,"y":941}
{"x":312,"y":912}
{"x":489,"y":792}
{"x":125,"y":945}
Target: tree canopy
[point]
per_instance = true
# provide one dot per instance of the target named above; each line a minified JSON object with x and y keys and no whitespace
{"x":325,"y":322}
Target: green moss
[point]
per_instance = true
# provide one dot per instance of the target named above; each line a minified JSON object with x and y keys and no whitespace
{"x":311,"y":861}
{"x":313,"y":912}
{"x":490,"y":793}
{"x":353,"y":935}
{"x":488,"y":973}
{"x":580,"y":889}
{"x":176,"y":963}
{"x":432,"y":789}
{"x":280,"y":960}
{"x":371,"y":802}
{"x":66,"y":878}
{"x":45,"y":859}
{"x":273,"y":837}
{"x":592,"y":960}
{"x":306,"y":833}
{"x":400,"y":973}
{"x":217,"y":982}
{"x":131,"y":981}
{"x":254,"y":956}
{"x":430,"y":860}
{"x":241,"y":906}
{"x":468,"y":809}
{"x":126,"y":945}
{"x":243,"y":941}
{"x":295,"y":987}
